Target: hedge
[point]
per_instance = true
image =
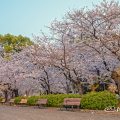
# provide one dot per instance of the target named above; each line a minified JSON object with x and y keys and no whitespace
{"x":1,"y":99}
{"x":92,"y":100}
{"x":98,"y":100}
{"x":53,"y":100}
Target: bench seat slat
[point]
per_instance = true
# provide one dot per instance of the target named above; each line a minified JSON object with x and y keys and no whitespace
{"x":42,"y":102}
{"x":72,"y":102}
{"x":23,"y":101}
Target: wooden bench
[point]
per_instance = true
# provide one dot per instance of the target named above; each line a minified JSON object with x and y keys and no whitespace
{"x":71,"y":102}
{"x":23,"y":101}
{"x":3,"y":101}
{"x":41,"y":102}
{"x":11,"y":102}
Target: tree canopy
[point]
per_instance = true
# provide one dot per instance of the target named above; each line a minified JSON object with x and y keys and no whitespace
{"x":12,"y":43}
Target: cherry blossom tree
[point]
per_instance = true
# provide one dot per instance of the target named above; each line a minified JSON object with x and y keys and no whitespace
{"x":86,"y":42}
{"x":81,"y":50}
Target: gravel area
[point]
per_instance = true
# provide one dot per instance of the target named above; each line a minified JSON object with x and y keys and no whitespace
{"x":33,"y":113}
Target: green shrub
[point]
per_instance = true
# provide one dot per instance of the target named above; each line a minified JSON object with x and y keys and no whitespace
{"x":98,"y":100}
{"x":53,"y":100}
{"x":1,"y":99}
{"x":32,"y":100}
{"x":18,"y":99}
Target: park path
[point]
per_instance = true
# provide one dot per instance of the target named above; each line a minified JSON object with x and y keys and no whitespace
{"x":31,"y":113}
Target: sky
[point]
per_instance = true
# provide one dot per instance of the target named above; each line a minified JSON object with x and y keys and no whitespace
{"x":27,"y":17}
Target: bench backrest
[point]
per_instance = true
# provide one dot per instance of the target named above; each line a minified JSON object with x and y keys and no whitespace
{"x":12,"y":100}
{"x":42,"y":101}
{"x":23,"y":101}
{"x":72,"y":101}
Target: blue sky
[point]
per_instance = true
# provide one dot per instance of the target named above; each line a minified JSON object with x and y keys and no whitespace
{"x":28,"y":17}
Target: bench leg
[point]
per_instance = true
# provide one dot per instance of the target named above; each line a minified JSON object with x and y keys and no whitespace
{"x":61,"y":107}
{"x":41,"y":106}
{"x":72,"y":107}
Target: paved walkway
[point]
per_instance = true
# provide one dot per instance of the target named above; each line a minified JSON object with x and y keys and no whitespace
{"x":30,"y":113}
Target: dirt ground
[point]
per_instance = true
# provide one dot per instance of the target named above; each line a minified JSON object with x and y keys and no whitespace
{"x":33,"y":113}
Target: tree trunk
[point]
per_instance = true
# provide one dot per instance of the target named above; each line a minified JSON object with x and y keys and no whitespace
{"x":80,"y":90}
{"x":6,"y":95}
